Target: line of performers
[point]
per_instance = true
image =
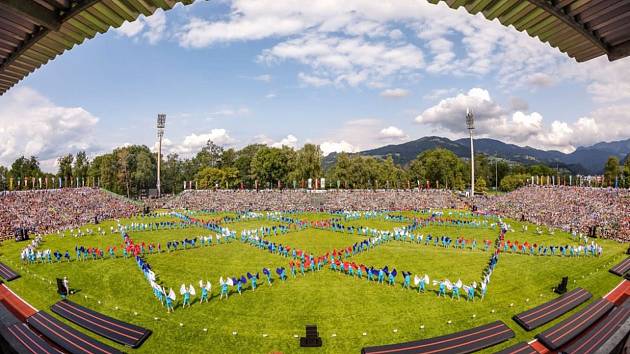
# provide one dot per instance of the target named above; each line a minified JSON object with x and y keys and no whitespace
{"x":227,"y":286}
{"x":588,"y":250}
{"x":421,"y":283}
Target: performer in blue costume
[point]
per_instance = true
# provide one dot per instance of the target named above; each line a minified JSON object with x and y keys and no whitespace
{"x":392,"y":277}
{"x":224,"y":287}
{"x":170,"y":299}
{"x":407,"y":280}
{"x":267,"y":273}
{"x":205,"y":291}
{"x":442,"y":289}
{"x":455,"y":291}
{"x":471,"y":291}
{"x":253,"y":279}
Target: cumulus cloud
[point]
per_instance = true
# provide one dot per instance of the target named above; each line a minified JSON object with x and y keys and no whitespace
{"x":392,"y":133}
{"x":34,"y":125}
{"x":329,"y":147}
{"x":450,"y":112}
{"x":311,"y":80}
{"x":290,"y":141}
{"x":191,"y":144}
{"x":492,"y":120}
{"x":318,"y":34}
{"x":347,"y":61}
{"x":151,"y":28}
{"x":540,"y":80}
{"x":394,"y":93}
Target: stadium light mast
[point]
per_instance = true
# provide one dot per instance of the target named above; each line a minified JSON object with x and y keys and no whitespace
{"x":470,"y":124}
{"x":161,"y":123}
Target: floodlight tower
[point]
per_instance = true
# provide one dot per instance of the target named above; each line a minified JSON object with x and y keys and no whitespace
{"x":470,"y":124}
{"x":161,"y":123}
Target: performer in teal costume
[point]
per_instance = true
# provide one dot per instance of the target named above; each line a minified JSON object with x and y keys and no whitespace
{"x":442,"y":289}
{"x":407,"y":279}
{"x":267,"y":273}
{"x":471,"y":293}
{"x":204,"y":291}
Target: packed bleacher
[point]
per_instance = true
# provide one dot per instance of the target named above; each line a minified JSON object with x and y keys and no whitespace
{"x":330,"y":200}
{"x":579,"y":209}
{"x":573,"y":209}
{"x":44,"y":211}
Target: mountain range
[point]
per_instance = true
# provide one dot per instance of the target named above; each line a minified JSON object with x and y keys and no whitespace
{"x":584,"y":160}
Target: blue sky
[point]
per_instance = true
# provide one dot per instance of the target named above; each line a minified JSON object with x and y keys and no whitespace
{"x":348,"y":76}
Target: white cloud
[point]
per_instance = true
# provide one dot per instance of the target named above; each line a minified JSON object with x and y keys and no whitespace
{"x":361,"y":134}
{"x":270,"y":95}
{"x":323,"y":36}
{"x":290,"y":141}
{"x":263,"y":78}
{"x":130,"y":29}
{"x":450,"y":112}
{"x":193,"y":143}
{"x":310,"y":80}
{"x":156,"y":24}
{"x":346,"y":61}
{"x":34,"y":125}
{"x":328,"y":147}
{"x":540,"y":80}
{"x":392,"y":133}
{"x":438,"y":93}
{"x":492,"y":120}
{"x":394,"y":93}
{"x":151,"y":28}
{"x":230,"y":112}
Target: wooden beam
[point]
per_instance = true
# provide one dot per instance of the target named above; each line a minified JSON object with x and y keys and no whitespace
{"x":619,"y":51}
{"x":34,"y":12}
{"x":570,"y":21}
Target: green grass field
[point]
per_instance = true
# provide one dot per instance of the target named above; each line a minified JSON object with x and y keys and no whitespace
{"x":344,"y":308}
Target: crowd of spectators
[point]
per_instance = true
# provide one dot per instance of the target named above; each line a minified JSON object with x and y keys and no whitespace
{"x":43,"y":211}
{"x":330,"y":200}
{"x":604,"y":211}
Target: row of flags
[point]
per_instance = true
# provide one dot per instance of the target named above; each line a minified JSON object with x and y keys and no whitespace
{"x":311,"y":183}
{"x":320,"y":183}
{"x":581,"y":181}
{"x":52,"y":182}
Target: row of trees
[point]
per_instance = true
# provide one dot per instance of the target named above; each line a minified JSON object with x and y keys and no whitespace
{"x":132,"y":169}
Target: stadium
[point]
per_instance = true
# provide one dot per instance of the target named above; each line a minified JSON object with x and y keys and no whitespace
{"x":215,"y":245}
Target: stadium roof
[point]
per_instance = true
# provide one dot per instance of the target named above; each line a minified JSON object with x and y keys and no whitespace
{"x":32,"y":32}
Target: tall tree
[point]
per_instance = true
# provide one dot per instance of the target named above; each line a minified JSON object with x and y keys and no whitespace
{"x":439,"y":166}
{"x":4,"y":178}
{"x":144,"y":174}
{"x":612,"y":169}
{"x":626,"y":171}
{"x":243,"y":163}
{"x":228,"y":157}
{"x":25,"y":167}
{"x":81,"y":166}
{"x":123,"y":177}
{"x":308,"y":163}
{"x":341,"y":170}
{"x":65,"y":169}
{"x":172,"y":174}
{"x":271,"y":165}
{"x":209,"y":156}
